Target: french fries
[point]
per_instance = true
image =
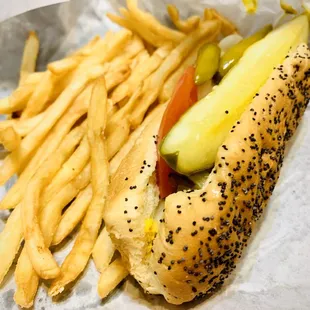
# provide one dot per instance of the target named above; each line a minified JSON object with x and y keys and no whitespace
{"x":74,"y":124}
{"x":9,"y":138}
{"x":73,"y":215}
{"x":18,"y":158}
{"x":115,"y":78}
{"x":133,"y":25}
{"x":87,"y":49}
{"x":185,"y":26}
{"x":60,"y":130}
{"x":141,"y":57}
{"x":118,"y":137}
{"x":22,"y":127}
{"x":104,"y":52}
{"x":141,"y":72}
{"x":63,"y":66}
{"x":12,"y":235}
{"x":30,"y":56}
{"x":40,"y":96}
{"x":103,"y":251}
{"x":79,"y":255}
{"x":111,"y":277}
{"x":41,"y":258}
{"x":10,"y":240}
{"x":227,"y":27}
{"x":69,"y":170}
{"x":18,"y":99}
{"x":148,"y":21}
{"x":26,"y":277}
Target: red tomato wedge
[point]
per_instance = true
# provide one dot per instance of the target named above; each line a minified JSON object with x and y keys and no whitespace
{"x":184,"y":96}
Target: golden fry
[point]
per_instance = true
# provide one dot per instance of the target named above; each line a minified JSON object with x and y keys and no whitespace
{"x":11,"y":236}
{"x":103,"y":251}
{"x":9,"y":138}
{"x":73,"y":215}
{"x":79,"y":255}
{"x":111,"y":277}
{"x":30,"y":55}
{"x":112,"y":108}
{"x":19,"y":157}
{"x":17,"y":100}
{"x":185,"y":26}
{"x":115,"y":78}
{"x":118,"y":137}
{"x":87,"y":49}
{"x":26,"y":277}
{"x":155,"y":82}
{"x":140,"y":58}
{"x":10,"y":240}
{"x":22,"y":127}
{"x":227,"y":26}
{"x":133,"y":26}
{"x":131,"y":49}
{"x":70,"y":169}
{"x":141,"y":72}
{"x":105,"y":51}
{"x":64,"y":66}
{"x":121,"y":116}
{"x":120,"y":21}
{"x":148,"y":21}
{"x":34,"y":78}
{"x":41,"y":258}
{"x":26,"y":280}
{"x":145,"y":33}
{"x":54,"y":138}
{"x":40,"y":96}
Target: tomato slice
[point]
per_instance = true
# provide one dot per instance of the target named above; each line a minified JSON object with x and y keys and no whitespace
{"x":184,"y":96}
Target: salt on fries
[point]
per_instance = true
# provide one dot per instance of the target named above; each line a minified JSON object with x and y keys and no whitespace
{"x":76,"y":122}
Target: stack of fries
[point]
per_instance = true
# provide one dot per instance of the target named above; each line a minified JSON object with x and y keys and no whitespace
{"x":69,"y":127}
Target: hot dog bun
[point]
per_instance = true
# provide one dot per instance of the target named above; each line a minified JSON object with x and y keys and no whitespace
{"x":188,"y":245}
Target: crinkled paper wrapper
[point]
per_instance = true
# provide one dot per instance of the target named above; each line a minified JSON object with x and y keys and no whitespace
{"x":275,"y":271}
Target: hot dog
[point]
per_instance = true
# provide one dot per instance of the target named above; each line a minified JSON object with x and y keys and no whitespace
{"x":186,"y":245}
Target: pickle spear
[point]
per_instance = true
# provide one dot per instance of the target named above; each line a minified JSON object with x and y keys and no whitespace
{"x":192,"y":144}
{"x":233,"y":54}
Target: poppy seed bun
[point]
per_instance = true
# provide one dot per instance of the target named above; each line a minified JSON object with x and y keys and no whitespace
{"x":201,"y":234}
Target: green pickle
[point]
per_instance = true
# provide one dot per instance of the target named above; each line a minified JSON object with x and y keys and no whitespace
{"x":233,"y":54}
{"x":207,"y":63}
{"x":193,"y":142}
